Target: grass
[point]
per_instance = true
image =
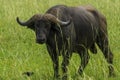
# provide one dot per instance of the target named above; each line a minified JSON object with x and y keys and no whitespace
{"x":20,"y":53}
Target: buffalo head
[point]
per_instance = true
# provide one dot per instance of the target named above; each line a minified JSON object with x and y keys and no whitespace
{"x":42,"y":25}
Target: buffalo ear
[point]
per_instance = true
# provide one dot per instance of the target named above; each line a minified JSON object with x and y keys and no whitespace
{"x":31,"y":26}
{"x":56,"y":28}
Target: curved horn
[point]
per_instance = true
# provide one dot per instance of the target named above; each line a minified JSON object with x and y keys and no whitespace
{"x":30,"y":21}
{"x":56,"y":20}
{"x":23,"y":23}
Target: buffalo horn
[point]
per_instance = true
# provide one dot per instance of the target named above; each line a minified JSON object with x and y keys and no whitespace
{"x":56,"y":20}
{"x":31,"y":20}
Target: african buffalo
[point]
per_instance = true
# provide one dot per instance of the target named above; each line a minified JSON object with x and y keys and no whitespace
{"x":71,"y":29}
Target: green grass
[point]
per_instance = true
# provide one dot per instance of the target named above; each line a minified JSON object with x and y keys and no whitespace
{"x":20,"y":53}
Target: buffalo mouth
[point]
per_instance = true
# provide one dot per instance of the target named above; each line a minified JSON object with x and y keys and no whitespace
{"x":40,"y":41}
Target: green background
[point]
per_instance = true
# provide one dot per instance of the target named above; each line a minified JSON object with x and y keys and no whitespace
{"x":19,"y":52}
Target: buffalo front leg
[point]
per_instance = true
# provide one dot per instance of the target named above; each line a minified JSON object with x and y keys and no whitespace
{"x":65,"y":63}
{"x":84,"y":60}
{"x":55,"y":65}
{"x":55,"y":59}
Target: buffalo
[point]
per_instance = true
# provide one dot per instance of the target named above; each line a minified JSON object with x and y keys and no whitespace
{"x":66,"y":29}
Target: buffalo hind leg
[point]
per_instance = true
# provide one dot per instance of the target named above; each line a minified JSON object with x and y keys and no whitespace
{"x":104,"y":46}
{"x":84,"y":60}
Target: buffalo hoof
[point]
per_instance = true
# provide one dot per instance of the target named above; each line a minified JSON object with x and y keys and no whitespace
{"x":112,"y":75}
{"x":64,"y":78}
{"x":56,"y":77}
{"x":28,"y":73}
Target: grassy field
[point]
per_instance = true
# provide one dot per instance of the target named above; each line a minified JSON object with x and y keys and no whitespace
{"x":19,"y":52}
